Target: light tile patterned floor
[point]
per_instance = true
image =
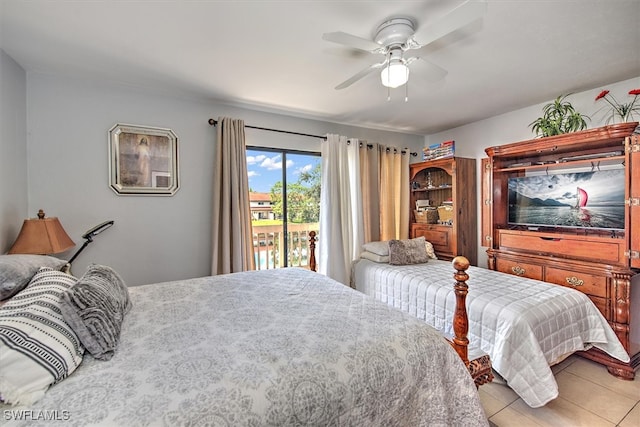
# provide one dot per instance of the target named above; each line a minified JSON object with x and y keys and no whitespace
{"x":589,"y":397}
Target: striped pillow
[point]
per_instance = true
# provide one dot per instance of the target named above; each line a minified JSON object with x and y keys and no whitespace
{"x":37,"y":347}
{"x":95,"y":308}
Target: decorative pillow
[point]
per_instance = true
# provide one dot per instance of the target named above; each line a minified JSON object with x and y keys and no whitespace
{"x":17,"y":270}
{"x":37,"y":347}
{"x":95,"y":308}
{"x":404,"y":252}
{"x":378,"y":248}
{"x":374,"y":257}
{"x":430,"y":251}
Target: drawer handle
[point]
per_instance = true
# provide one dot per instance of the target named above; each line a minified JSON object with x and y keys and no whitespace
{"x":517,"y":270}
{"x":574,"y":281}
{"x":551,"y":239}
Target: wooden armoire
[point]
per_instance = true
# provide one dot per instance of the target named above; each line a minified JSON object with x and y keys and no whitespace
{"x":603,"y":263}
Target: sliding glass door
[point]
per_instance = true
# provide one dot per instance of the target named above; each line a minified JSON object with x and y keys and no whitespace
{"x":284,"y":194}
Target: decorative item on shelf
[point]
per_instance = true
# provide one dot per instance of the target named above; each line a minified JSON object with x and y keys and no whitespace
{"x":558,"y":117}
{"x":422,"y":204}
{"x":427,"y":216}
{"x":445,"y":214}
{"x":442,"y":150}
{"x":429,"y":181}
{"x":41,"y":236}
{"x":621,"y":113}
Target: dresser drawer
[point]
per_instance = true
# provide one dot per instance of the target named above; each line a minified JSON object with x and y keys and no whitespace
{"x":439,"y":236}
{"x":587,"y":283}
{"x":521,"y":269}
{"x":599,"y":249}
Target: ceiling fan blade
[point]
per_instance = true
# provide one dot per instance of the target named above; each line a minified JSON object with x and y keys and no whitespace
{"x":428,"y":69}
{"x":352,"y":41}
{"x":459,"y":17}
{"x":360,"y":75}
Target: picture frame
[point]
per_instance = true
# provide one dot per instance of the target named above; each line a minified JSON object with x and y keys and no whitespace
{"x":143,"y":160}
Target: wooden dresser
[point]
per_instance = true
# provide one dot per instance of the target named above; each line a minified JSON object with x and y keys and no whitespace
{"x":604,"y":264}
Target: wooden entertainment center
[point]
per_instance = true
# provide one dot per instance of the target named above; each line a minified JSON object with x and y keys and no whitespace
{"x":603,"y":263}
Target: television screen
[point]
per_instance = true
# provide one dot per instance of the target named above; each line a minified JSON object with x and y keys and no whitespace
{"x":582,"y":199}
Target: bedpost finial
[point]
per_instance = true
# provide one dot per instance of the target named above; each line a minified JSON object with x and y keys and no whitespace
{"x":460,"y":263}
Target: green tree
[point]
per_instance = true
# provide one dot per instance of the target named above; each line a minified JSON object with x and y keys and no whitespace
{"x":310,"y":205}
{"x":276,"y":199}
{"x":303,"y":204}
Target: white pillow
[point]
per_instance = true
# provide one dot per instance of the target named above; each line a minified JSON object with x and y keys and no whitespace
{"x":37,"y":347}
{"x":17,"y":270}
{"x":378,"y":248}
{"x":375,"y":257}
{"x":430,"y":251}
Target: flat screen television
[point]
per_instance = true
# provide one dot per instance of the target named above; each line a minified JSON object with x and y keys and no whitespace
{"x":593,"y":200}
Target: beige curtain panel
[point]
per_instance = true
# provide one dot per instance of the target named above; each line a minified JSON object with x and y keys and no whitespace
{"x":394,"y":194}
{"x":232,"y":246}
{"x":370,"y":186}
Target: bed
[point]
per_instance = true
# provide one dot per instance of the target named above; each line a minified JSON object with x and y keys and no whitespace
{"x":276,"y":347}
{"x":524,"y":325}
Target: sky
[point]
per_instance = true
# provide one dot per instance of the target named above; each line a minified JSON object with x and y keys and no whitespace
{"x":265,"y":168}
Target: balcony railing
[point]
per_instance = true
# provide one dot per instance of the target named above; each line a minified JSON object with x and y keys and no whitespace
{"x":268,"y":245}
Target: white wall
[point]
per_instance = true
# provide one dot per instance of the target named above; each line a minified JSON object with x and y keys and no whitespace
{"x":472,"y":139}
{"x":13,"y":150}
{"x":154,"y":238}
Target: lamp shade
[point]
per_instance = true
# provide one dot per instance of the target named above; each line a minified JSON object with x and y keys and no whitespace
{"x":41,"y":236}
{"x":394,"y":75}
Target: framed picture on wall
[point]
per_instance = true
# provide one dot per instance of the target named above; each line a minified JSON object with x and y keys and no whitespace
{"x":143,"y":160}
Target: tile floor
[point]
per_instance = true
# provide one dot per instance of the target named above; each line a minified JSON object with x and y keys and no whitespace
{"x":589,"y":396}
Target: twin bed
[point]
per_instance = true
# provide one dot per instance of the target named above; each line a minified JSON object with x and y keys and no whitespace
{"x":277,"y":347}
{"x":524,"y":325}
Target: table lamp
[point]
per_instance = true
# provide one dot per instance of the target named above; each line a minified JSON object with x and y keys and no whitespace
{"x":41,"y":236}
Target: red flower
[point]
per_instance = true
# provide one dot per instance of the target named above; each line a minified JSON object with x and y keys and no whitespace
{"x":623,"y":112}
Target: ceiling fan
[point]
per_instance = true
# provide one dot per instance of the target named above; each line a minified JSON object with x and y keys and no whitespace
{"x":397,"y":35}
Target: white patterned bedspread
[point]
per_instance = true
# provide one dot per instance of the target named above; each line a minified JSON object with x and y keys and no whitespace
{"x":524,"y":325}
{"x":279,"y":347}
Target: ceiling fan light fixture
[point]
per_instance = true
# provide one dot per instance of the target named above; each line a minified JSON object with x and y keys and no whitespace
{"x":394,"y":75}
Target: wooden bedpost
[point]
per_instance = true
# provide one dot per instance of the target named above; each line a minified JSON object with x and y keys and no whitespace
{"x":460,"y":320}
{"x":312,"y":250}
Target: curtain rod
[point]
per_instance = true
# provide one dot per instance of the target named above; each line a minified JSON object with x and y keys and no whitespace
{"x":214,"y":122}
{"x":388,"y":149}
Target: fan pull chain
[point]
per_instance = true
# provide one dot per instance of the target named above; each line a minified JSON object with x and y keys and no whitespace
{"x":406,"y":85}
{"x":406,"y":89}
{"x":388,"y":72}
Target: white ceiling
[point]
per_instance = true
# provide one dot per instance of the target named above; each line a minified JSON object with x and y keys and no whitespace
{"x":270,"y":55}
